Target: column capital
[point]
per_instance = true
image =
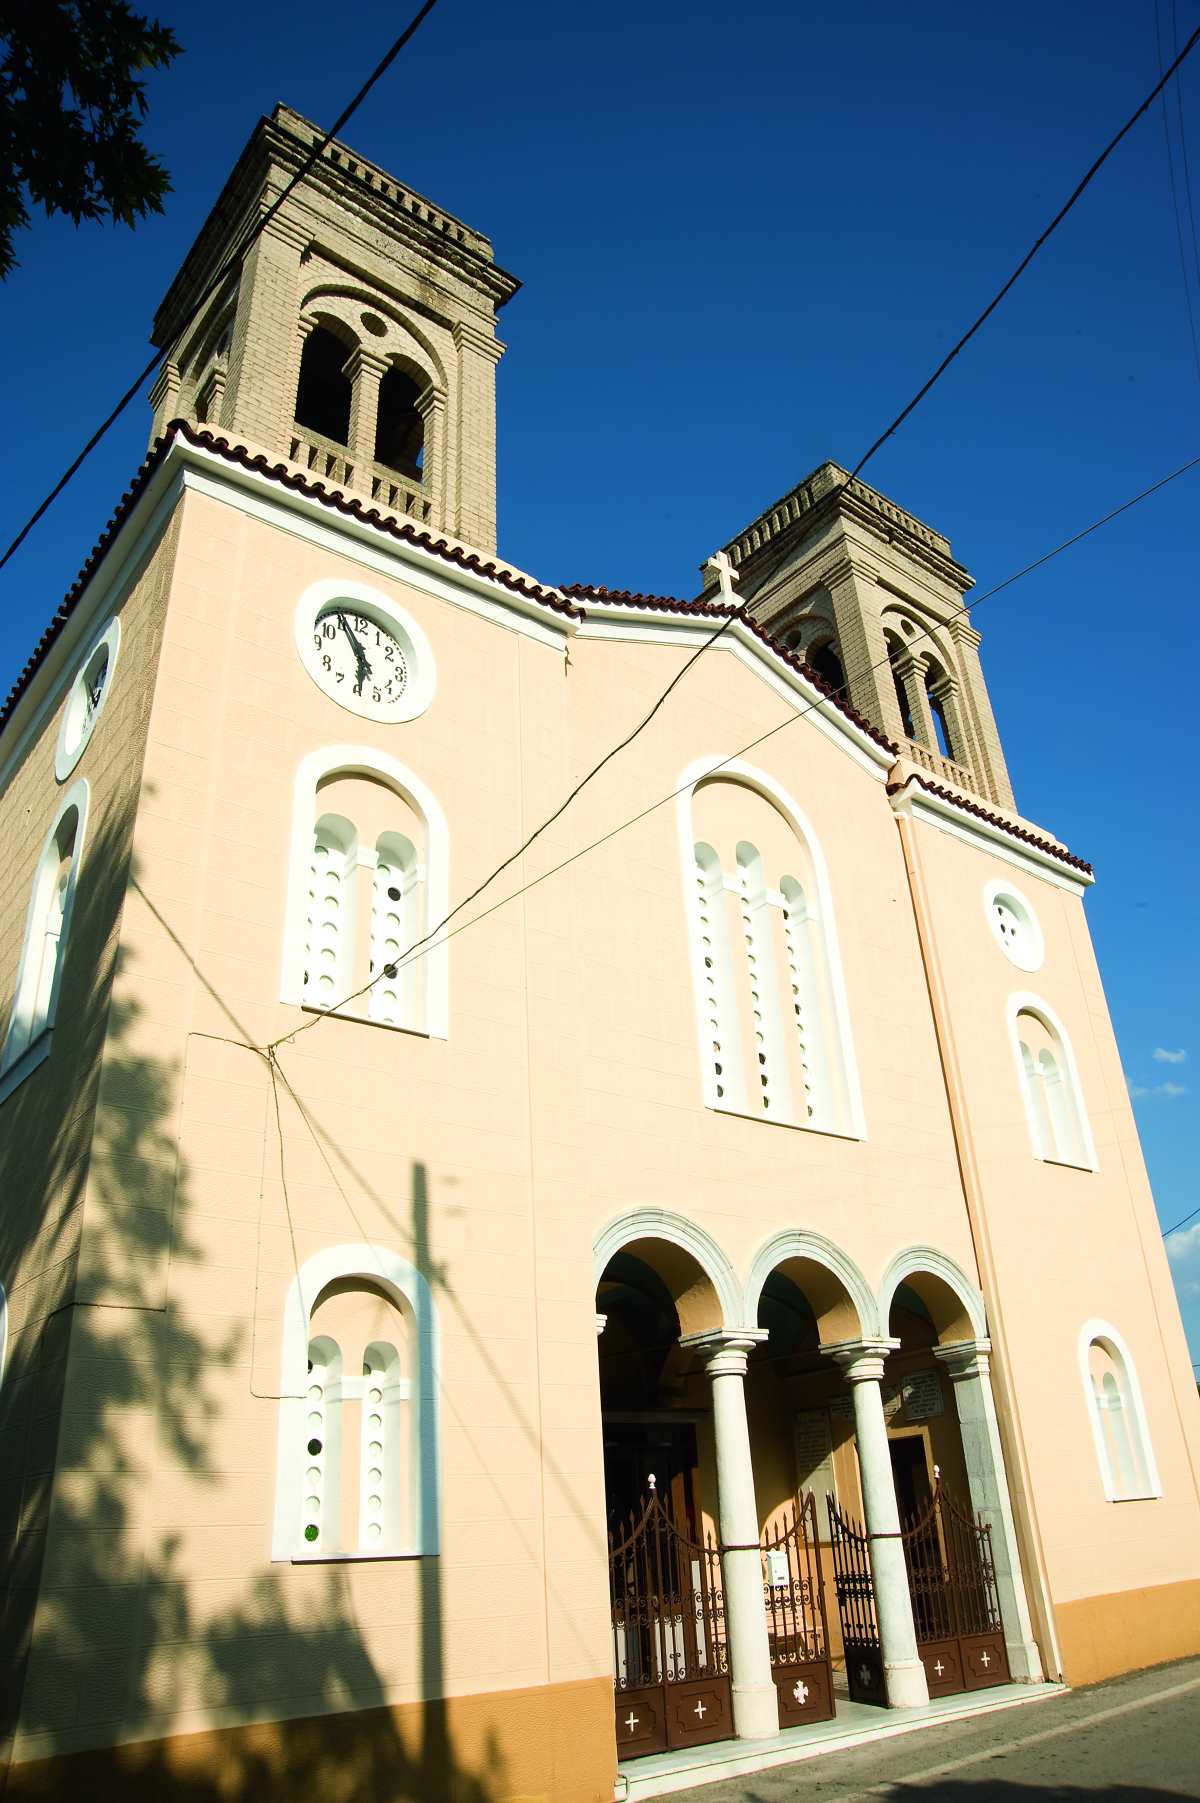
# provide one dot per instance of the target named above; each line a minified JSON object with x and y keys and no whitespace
{"x":849,"y":566}
{"x":965,"y":1358}
{"x":962,"y":632}
{"x":166,"y":382}
{"x":363,"y":360}
{"x":910,"y":663}
{"x":861,"y":1361}
{"x":431,"y":400}
{"x":723,"y":1349}
{"x":469,"y":337}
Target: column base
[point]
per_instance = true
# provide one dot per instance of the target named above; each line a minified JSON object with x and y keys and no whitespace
{"x":755,"y":1711}
{"x":905,"y":1685}
{"x":1024,"y":1662}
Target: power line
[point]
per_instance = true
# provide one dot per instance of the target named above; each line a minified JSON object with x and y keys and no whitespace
{"x":232,"y":262}
{"x":1030,"y":254}
{"x":1168,"y":1231}
{"x":1187,"y":173}
{"x":1183,"y":265}
{"x":422,"y":946}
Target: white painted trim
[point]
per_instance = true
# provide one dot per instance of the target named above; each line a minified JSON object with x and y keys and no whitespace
{"x":1114,"y":1344}
{"x":77,"y":797}
{"x":422,"y":672}
{"x":688,"y":632}
{"x":915,"y":1259}
{"x":308,"y":519}
{"x":998,"y":890}
{"x":736,"y":770}
{"x":992,"y":840}
{"x":677,"y":1230}
{"x":64,"y":760}
{"x":408,"y":1289}
{"x":799,"y":1242}
{"x":1023,"y":999}
{"x":363,"y":760}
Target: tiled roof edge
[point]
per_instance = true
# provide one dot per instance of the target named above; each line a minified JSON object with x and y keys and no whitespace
{"x":277,"y":472}
{"x":712,"y":610}
{"x":1005,"y":826}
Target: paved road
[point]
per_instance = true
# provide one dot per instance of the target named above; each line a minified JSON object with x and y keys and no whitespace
{"x":1134,"y":1737}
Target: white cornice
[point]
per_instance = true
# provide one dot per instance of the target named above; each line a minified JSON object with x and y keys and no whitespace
{"x":919,"y":804}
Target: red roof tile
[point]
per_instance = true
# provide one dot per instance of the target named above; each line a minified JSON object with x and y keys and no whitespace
{"x":1006,"y":826}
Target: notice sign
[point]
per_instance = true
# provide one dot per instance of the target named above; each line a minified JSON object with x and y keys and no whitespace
{"x":814,"y":1454}
{"x":923,"y":1396}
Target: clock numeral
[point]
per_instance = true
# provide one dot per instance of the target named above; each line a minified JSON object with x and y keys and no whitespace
{"x":328,"y":629}
{"x":327,"y":662}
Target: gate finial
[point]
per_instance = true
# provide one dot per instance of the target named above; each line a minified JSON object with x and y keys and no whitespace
{"x":652,"y":1480}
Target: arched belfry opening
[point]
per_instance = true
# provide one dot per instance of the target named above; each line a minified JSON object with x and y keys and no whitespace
{"x":827,"y":663}
{"x":323,"y":392}
{"x":400,"y":426}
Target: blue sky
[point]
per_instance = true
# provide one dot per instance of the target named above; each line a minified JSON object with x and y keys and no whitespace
{"x":746,"y":236}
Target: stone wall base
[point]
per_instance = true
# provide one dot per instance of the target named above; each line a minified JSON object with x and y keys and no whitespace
{"x":1102,"y":1636}
{"x":549,"y":1745}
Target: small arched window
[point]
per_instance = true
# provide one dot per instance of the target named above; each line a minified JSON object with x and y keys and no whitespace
{"x":358,"y":1452}
{"x":400,"y":427}
{"x":895,"y":650}
{"x":1058,"y":1127}
{"x":368,"y":883}
{"x":771,"y":1015}
{"x":323,"y":392}
{"x":935,"y":682}
{"x":47,"y":929}
{"x":825,"y":661}
{"x":1114,"y":1402}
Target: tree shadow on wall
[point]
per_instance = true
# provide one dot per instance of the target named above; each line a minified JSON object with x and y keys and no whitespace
{"x":115,"y":1402}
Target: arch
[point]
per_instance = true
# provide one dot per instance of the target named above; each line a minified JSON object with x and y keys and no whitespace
{"x":844,"y":1108}
{"x":408,"y":1289}
{"x":1067,"y":1137}
{"x":967,"y":1321}
{"x":700,"y":1303}
{"x":324,"y":392}
{"x":364,"y":760}
{"x":1143,"y":1479}
{"x":47,"y":935}
{"x":399,"y":423}
{"x":841,"y":1300}
{"x":346,"y":303}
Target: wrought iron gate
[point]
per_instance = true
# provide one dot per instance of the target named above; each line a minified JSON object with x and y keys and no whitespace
{"x":796,"y":1624}
{"x":855,"y":1590}
{"x":670,"y":1661}
{"x":952,"y":1582}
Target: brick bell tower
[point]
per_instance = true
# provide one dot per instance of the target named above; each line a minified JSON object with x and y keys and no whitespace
{"x":357,"y":340}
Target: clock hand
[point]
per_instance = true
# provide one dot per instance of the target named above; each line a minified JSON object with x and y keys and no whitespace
{"x":364,"y":667}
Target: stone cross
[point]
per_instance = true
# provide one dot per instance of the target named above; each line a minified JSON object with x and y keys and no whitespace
{"x":632,"y":1721}
{"x":726,"y":576}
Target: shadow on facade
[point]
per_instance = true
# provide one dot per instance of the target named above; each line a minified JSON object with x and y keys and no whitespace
{"x":109,"y":1407}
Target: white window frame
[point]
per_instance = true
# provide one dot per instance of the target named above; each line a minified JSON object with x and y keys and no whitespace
{"x":408,"y":1290}
{"x":36,"y":1047}
{"x":364,"y":760}
{"x":1021,"y":1002}
{"x":737,"y":771}
{"x":1114,"y":1344}
{"x":66,"y":759}
{"x":1000,"y":889}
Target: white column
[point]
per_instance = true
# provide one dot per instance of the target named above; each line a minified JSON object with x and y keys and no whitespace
{"x":755,"y":1705}
{"x":903,"y":1674}
{"x":969,"y":1366}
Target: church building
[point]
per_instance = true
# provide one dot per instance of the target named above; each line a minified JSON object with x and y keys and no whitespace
{"x":511,"y":1300}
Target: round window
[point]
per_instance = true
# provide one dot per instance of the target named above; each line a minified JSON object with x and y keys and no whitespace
{"x":85,"y":702}
{"x":1014,"y":925}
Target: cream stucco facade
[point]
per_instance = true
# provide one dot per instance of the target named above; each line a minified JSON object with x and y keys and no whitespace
{"x":787,"y":1033}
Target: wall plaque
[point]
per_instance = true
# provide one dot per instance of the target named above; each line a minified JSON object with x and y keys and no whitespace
{"x":923,"y":1397}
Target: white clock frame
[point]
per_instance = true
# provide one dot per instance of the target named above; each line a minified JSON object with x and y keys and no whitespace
{"x":422,"y":675}
{"x":68,"y":752}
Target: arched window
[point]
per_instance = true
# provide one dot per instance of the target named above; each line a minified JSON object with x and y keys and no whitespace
{"x":368,"y":883}
{"x":895,"y":650}
{"x":1058,"y":1127}
{"x":825,"y":661}
{"x":400,"y":428}
{"x":358,"y":1455}
{"x":1114,"y":1402}
{"x":935,"y":680}
{"x":47,"y":929}
{"x":323,"y":391}
{"x":771,"y":1011}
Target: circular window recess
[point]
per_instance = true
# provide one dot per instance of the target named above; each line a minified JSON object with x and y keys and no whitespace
{"x":373,"y":324}
{"x":364,"y":652}
{"x":1014,"y":925}
{"x":85,"y":703}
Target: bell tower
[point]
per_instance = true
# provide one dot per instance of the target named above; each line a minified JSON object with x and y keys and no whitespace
{"x":872,"y":598}
{"x":357,"y":340}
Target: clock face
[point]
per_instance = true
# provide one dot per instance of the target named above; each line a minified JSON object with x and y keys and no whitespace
{"x":87,"y":697}
{"x":359,"y":661}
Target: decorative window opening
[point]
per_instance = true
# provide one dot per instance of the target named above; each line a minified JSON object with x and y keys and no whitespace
{"x":825,"y":661}
{"x":323,"y":393}
{"x":1119,"y":1428}
{"x":1057,"y":1127}
{"x":1014,"y":925}
{"x":941,"y":728}
{"x":895,"y":651}
{"x":47,"y":929}
{"x":368,"y":878}
{"x":768,"y":1017}
{"x":358,"y":1473}
{"x":400,"y":427}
